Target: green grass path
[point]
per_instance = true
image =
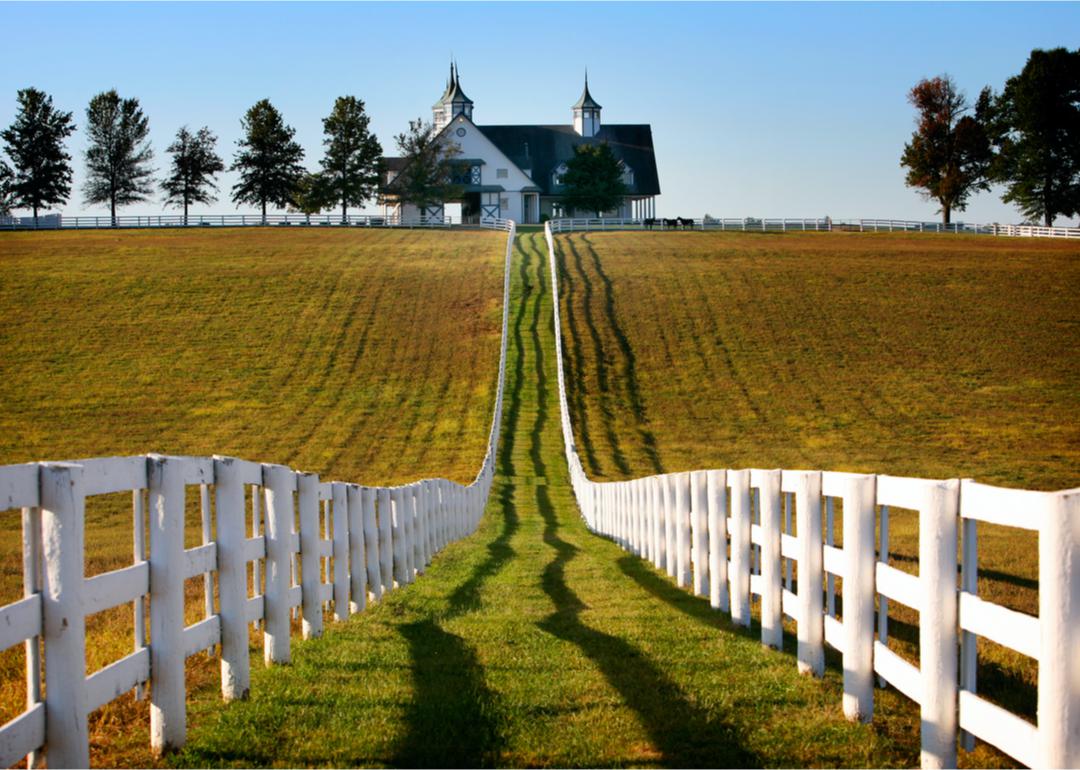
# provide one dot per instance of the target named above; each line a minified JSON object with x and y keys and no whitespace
{"x":534,"y":642}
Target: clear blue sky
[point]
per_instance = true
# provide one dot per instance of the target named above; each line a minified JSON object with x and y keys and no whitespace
{"x":770,"y":109}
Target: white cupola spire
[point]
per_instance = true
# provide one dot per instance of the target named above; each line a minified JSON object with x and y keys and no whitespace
{"x":452,"y":103}
{"x":586,"y":113}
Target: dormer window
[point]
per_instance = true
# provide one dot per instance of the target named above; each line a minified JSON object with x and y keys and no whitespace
{"x":558,"y":174}
{"x":627,"y":174}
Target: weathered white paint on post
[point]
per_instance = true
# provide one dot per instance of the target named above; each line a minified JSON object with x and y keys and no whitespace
{"x":339,"y":509}
{"x":671,"y":558}
{"x":232,"y":579}
{"x":811,"y":626}
{"x":739,"y":576}
{"x":718,"y":572}
{"x":165,"y":478}
{"x":937,"y":622}
{"x":641,"y":501}
{"x":64,"y":625}
{"x":699,"y":512}
{"x":307,"y":485}
{"x":397,"y":509}
{"x":386,"y":541}
{"x":358,"y":566}
{"x":407,"y":522}
{"x":1059,"y":621}
{"x":682,"y":530}
{"x":371,"y":542}
{"x":656,"y":513}
{"x":772,"y":619}
{"x":279,"y":483}
{"x":859,"y":496}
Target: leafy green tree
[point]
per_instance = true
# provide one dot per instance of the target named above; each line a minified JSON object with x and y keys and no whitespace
{"x":353,"y":160}
{"x":1035,"y":128}
{"x":7,"y":197}
{"x":194,"y":164}
{"x":41,"y":176}
{"x":118,"y":158}
{"x":593,"y":179}
{"x":948,"y":157}
{"x":312,"y":195}
{"x":268,"y":160}
{"x":426,"y":176}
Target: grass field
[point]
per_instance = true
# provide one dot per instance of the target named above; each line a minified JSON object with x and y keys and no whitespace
{"x":366,"y":356}
{"x":536,"y":643}
{"x":931,"y":356}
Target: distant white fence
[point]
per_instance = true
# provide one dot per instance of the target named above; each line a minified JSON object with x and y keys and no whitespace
{"x":752,"y":224}
{"x":729,"y":535}
{"x":312,"y":544}
{"x":57,"y":222}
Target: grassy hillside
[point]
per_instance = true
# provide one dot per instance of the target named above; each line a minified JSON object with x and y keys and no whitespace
{"x":534,"y":643}
{"x":367,"y":356}
{"x":932,"y":356}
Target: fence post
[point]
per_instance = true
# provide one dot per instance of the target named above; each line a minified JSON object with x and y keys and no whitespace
{"x":717,"y":495}
{"x":739,"y":482}
{"x":307,"y":485}
{"x":343,"y":520}
{"x":232,"y":579}
{"x":386,"y":543}
{"x":656,"y":514}
{"x":859,"y":495}
{"x":937,"y":622}
{"x":668,"y":484}
{"x":969,"y":573}
{"x":165,"y":479}
{"x":357,"y":572}
{"x":772,"y":616}
{"x":417,"y":565}
{"x":371,"y":542}
{"x":279,"y":483}
{"x":1059,"y":618}
{"x":397,"y":505}
{"x":63,"y":511}
{"x":699,"y":508}
{"x":811,"y":626}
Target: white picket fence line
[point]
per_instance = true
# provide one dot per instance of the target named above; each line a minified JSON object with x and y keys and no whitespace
{"x":752,"y":224}
{"x":220,"y":220}
{"x":728,"y":535}
{"x":311,"y":543}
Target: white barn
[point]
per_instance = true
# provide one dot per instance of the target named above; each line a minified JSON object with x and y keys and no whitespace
{"x":515,"y":171}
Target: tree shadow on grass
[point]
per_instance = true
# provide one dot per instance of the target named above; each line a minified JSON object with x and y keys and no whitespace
{"x":685,"y":735}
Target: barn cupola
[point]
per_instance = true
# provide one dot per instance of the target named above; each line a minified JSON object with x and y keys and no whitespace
{"x":586,"y":113}
{"x":452,"y":103}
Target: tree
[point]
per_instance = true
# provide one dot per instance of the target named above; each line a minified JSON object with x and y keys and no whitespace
{"x":311,"y":195}
{"x":41,"y":176}
{"x":593,"y":179}
{"x":948,"y":157}
{"x":1035,"y":129}
{"x":426,"y":175}
{"x":268,"y":159}
{"x":194,"y":165}
{"x":352,"y":165}
{"x":118,"y":159}
{"x":7,"y":198}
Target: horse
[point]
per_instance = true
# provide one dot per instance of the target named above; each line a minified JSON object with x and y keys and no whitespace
{"x":671,"y":223}
{"x":648,"y":223}
{"x":686,"y":224}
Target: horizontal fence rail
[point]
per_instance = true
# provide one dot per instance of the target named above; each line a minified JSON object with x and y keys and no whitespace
{"x":56,"y":222}
{"x":731,"y":535}
{"x":752,"y":224}
{"x":274,"y":542}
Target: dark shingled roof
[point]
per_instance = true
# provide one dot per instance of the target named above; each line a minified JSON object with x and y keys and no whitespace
{"x":586,"y":99}
{"x":548,"y":146}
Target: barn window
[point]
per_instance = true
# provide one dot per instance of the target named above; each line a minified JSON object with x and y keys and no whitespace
{"x":501,"y":173}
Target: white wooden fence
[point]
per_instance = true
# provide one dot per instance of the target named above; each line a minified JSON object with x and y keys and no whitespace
{"x":312,"y":544}
{"x":729,"y":535}
{"x":752,"y":224}
{"x":57,"y":222}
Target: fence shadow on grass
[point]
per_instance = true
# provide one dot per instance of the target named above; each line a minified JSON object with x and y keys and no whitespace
{"x":685,"y":735}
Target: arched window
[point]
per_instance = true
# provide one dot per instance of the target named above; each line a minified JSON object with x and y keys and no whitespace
{"x":557,"y":175}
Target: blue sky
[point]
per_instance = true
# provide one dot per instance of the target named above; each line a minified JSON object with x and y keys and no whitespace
{"x":771,"y":109}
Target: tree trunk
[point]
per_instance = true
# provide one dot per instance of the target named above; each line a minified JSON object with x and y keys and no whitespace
{"x":185,"y":211}
{"x":35,"y":216}
{"x":946,"y":213}
{"x":112,"y":208}
{"x":264,"y":211}
{"x":344,"y":210}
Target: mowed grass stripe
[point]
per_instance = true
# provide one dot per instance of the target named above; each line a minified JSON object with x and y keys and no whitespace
{"x":536,"y":643}
{"x":366,"y":356}
{"x":917,"y":355}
